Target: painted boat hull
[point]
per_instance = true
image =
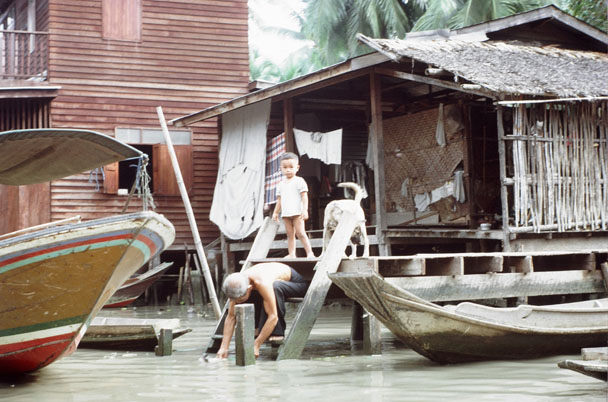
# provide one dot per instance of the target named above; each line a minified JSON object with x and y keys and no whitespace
{"x":129,"y":291}
{"x":445,"y":336}
{"x":53,"y":282}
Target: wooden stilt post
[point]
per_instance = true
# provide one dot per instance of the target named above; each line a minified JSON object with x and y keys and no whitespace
{"x":244,"y":334}
{"x":356,"y":325}
{"x":604,"y":267}
{"x":193,"y":227}
{"x":372,"y":341}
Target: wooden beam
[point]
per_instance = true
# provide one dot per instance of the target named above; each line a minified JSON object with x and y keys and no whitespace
{"x":488,"y":286}
{"x":328,"y":76}
{"x":432,"y":81}
{"x":378,"y":152}
{"x":288,"y":124}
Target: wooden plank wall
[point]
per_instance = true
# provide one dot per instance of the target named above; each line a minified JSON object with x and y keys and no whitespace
{"x":192,"y":55}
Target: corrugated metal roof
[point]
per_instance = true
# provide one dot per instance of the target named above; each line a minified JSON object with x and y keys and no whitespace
{"x":507,"y":67}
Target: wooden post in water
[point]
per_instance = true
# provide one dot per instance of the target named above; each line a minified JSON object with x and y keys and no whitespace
{"x":372,"y":341}
{"x":165,"y":343}
{"x":193,"y":227}
{"x":244,"y":334}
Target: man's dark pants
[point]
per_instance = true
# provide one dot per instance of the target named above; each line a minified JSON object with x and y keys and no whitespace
{"x":295,"y":287}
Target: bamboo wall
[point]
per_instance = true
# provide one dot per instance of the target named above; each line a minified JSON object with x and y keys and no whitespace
{"x":192,"y":55}
{"x":560,"y":166}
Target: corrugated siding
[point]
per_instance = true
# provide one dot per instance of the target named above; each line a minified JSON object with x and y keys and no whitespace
{"x":193,"y":54}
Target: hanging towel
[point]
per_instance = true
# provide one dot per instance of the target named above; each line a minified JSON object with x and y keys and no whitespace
{"x":440,"y":132}
{"x":238,"y":200}
{"x":276,"y":148}
{"x":404,"y":186}
{"x":327,"y":147}
{"x":459,"y":192}
{"x":422,"y":201}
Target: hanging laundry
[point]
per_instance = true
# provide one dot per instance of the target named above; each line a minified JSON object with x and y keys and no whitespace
{"x":442,"y":192}
{"x":440,"y":132}
{"x":422,"y":201}
{"x":459,"y":192}
{"x":276,"y":148}
{"x":404,"y":187}
{"x":327,"y":147}
{"x":238,"y":201}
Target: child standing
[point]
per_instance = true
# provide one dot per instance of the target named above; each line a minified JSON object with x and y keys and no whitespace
{"x":292,"y":203}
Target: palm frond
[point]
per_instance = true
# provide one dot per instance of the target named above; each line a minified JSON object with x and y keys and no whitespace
{"x":437,"y":14}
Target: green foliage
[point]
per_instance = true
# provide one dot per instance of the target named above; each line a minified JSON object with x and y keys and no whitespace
{"x":332,"y":25}
{"x":454,"y":14}
{"x":593,"y":12}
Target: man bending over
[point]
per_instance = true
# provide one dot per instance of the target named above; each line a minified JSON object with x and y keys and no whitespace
{"x":266,"y":285}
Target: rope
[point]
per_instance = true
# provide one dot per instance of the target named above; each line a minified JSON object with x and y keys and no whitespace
{"x":143,"y":184}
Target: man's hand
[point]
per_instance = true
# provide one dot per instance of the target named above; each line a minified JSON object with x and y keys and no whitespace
{"x":256,"y":351}
{"x":222,"y":353}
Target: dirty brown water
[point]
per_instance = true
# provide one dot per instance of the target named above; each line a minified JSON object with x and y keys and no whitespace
{"x":329,"y":370}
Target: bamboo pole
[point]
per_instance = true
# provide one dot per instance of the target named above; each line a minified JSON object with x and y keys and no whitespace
{"x":503,"y":175}
{"x":197,"y":239}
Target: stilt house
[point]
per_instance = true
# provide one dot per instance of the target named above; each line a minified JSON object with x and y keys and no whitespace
{"x":492,"y":137}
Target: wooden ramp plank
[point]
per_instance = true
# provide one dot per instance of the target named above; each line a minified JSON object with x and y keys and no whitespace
{"x":309,"y":309}
{"x":261,"y":246}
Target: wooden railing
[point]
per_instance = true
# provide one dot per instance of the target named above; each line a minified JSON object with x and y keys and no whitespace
{"x":23,"y":55}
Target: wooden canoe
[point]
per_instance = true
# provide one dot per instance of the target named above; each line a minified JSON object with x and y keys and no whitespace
{"x":136,"y":285}
{"x":113,"y":333}
{"x":470,"y":332}
{"x":54,"y":278}
{"x":53,"y":282}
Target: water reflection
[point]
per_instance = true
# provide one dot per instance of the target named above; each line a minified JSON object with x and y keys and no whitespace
{"x":330,"y":369}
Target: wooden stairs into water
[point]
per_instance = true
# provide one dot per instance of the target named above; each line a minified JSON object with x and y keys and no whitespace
{"x":311,"y":305}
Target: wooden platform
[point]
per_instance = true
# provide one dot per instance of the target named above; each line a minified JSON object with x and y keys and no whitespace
{"x":435,"y":277}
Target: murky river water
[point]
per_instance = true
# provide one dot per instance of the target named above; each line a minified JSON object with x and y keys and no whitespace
{"x":329,"y":370}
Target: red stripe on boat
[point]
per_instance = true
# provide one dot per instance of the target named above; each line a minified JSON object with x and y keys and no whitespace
{"x":15,"y":347}
{"x":148,"y":242}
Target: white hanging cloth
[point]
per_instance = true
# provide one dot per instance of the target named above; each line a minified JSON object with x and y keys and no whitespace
{"x":327,"y":147}
{"x":440,"y":131}
{"x":238,"y":200}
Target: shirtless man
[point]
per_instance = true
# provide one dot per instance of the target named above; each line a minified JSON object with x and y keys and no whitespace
{"x":266,"y":285}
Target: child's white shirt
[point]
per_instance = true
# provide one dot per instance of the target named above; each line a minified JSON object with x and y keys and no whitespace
{"x":290,"y":192}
